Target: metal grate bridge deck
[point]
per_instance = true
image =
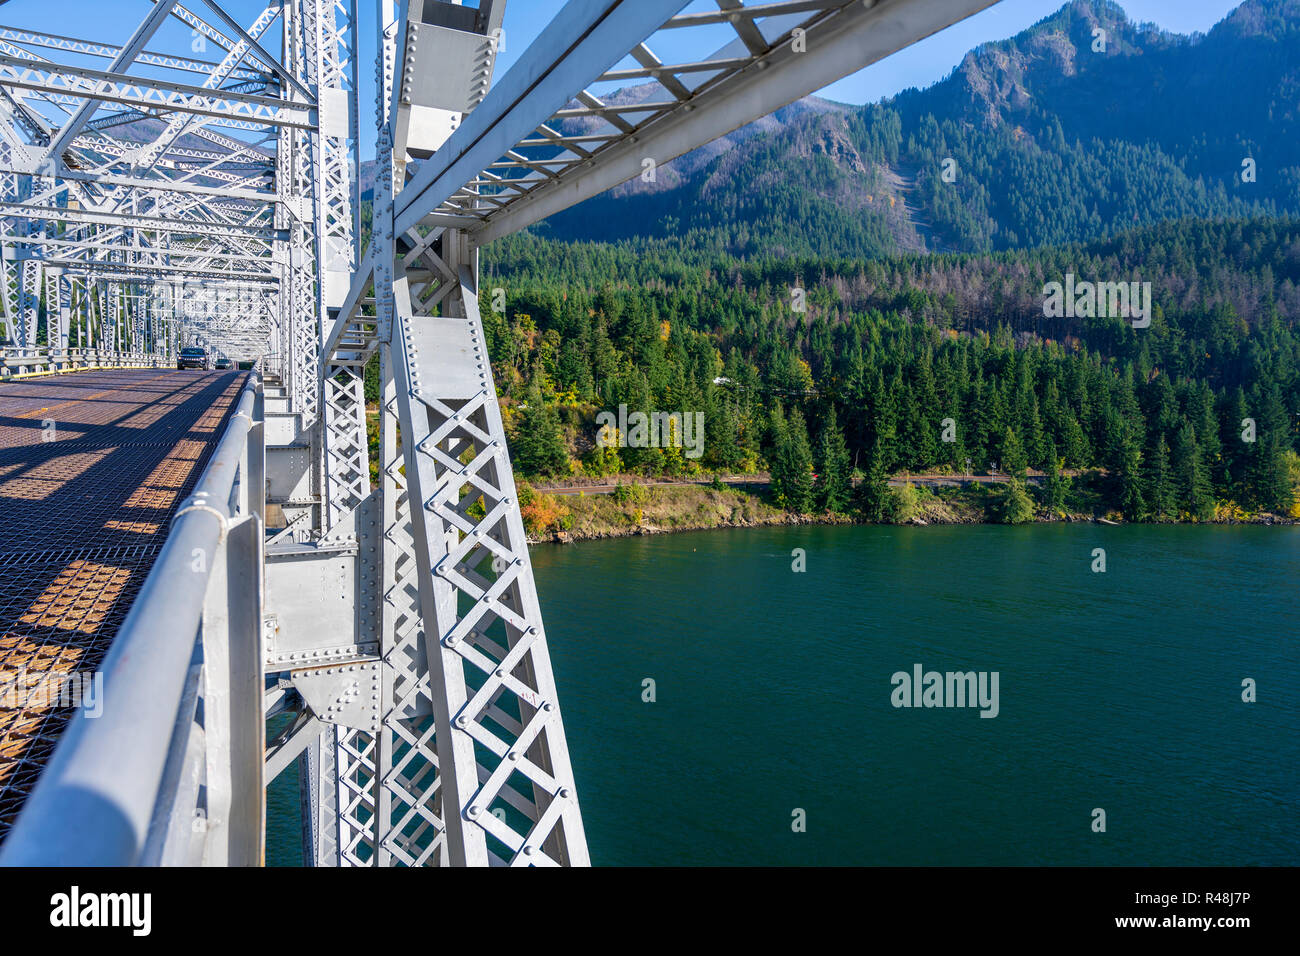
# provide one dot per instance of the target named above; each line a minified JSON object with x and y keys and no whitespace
{"x":92,"y":467}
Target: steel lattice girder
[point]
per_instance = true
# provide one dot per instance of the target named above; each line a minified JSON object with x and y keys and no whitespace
{"x":413,"y":792}
{"x":409,"y":798}
{"x":169,"y":206}
{"x":147,"y":225}
{"x":494,"y":695}
{"x":152,"y":94}
{"x":53,"y":41}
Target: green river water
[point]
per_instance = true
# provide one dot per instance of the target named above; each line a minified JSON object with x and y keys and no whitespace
{"x":774,"y":690}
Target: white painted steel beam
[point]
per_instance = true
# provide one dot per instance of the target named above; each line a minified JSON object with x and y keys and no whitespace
{"x":742,"y":82}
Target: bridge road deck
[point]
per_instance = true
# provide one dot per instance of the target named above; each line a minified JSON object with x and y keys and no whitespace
{"x":92,"y":467}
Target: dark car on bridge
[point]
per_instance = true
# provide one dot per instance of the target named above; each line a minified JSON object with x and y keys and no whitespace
{"x":193,"y":357}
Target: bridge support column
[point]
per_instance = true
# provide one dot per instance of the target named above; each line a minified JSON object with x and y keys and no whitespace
{"x":467,"y":762}
{"x":29,"y":304}
{"x":507,"y":787}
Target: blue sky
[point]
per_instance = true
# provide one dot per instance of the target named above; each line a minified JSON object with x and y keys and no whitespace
{"x":927,"y":61}
{"x":919,"y":65}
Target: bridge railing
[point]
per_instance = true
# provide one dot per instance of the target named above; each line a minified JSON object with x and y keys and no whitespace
{"x":170,"y":771}
{"x":14,"y":361}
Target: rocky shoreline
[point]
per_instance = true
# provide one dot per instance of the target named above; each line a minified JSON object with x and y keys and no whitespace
{"x":930,"y":515}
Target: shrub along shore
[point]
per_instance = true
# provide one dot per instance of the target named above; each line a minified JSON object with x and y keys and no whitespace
{"x":657,"y":508}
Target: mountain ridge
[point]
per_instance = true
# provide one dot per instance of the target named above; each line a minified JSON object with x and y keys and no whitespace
{"x":1038,"y":126}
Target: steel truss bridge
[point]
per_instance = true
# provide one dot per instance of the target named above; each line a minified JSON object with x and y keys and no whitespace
{"x":210,"y":544}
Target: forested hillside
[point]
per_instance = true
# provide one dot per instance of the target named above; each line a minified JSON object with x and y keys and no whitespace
{"x":888,"y":349}
{"x":839,"y":311}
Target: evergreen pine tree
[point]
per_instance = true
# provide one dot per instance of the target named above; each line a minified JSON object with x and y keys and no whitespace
{"x":1013,"y":455}
{"x":1268,"y":476}
{"x":539,"y":447}
{"x":1191,"y":477}
{"x":792,"y":481}
{"x":1056,"y":484}
{"x":1236,"y":450}
{"x":724,"y":440}
{"x":1159,"y":484}
{"x":873,"y":491}
{"x":1130,"y":480}
{"x":833,"y":466}
{"x":1206,"y":424}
